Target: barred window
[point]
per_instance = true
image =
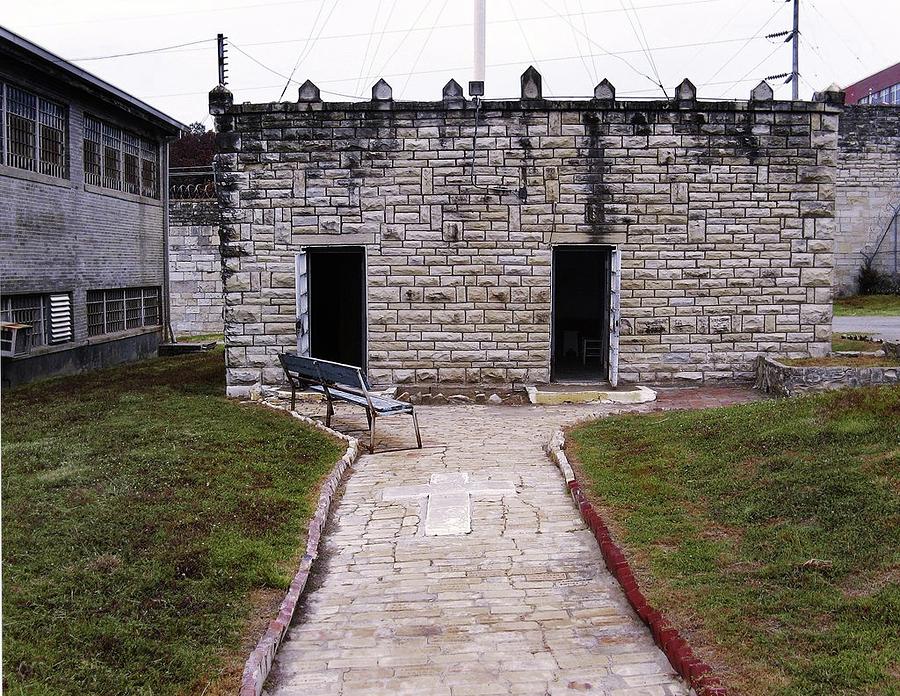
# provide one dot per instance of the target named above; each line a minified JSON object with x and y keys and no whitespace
{"x":93,"y":138}
{"x":118,"y":309}
{"x":35,"y":132}
{"x":121,"y":160}
{"x":34,"y":320}
{"x":112,"y":157}
{"x":149,"y":168}
{"x":132,"y":156}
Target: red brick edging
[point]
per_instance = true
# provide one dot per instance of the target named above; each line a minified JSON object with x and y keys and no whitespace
{"x":694,"y":670}
{"x":258,"y":664}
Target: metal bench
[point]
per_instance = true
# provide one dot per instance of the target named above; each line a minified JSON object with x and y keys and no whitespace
{"x":346,"y":383}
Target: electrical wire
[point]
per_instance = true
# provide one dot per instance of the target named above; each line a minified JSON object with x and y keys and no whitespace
{"x":593,"y":59}
{"x":362,"y":65}
{"x":422,"y":49}
{"x":577,"y":41}
{"x":307,"y":48}
{"x":380,"y":41}
{"x":642,"y":44}
{"x":755,"y":67}
{"x":740,"y":50}
{"x":140,"y":53}
{"x":433,"y":71}
{"x":402,"y":41}
{"x":525,"y":37}
{"x":591,"y":41}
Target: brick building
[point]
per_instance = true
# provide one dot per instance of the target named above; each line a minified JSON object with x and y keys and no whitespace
{"x":881,"y":88}
{"x":526,"y":241}
{"x":83,"y":214}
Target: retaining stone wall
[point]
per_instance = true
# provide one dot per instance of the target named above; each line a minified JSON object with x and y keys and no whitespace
{"x":723,"y":212}
{"x":195,"y":268}
{"x":868,"y":185}
{"x":787,"y":380}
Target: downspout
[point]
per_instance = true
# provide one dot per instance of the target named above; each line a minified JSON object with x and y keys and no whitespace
{"x":168,"y":334}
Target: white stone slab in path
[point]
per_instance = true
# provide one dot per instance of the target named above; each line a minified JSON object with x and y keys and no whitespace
{"x":448,"y":500}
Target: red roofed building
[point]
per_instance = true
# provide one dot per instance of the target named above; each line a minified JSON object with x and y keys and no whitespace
{"x":881,"y":88}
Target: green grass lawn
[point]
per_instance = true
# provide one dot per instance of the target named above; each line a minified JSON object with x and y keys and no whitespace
{"x":867,"y":305}
{"x":149,"y":527}
{"x":769,"y":532}
{"x":849,"y":344}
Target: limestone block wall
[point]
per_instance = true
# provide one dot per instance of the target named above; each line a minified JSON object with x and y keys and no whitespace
{"x":195,"y":268}
{"x":868,"y":188}
{"x":723,"y":211}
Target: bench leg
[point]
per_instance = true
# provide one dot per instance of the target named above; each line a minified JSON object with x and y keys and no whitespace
{"x":329,"y":412}
{"x":416,"y":424}
{"x":293,"y":397}
{"x":371,"y":432}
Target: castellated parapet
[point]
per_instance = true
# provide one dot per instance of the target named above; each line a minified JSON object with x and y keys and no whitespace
{"x":723,"y":213}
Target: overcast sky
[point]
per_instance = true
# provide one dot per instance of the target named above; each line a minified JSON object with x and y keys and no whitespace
{"x":417,"y":45}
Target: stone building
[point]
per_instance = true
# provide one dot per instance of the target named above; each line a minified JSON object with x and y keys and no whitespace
{"x":868,"y":194}
{"x":526,"y":241}
{"x":195,"y":267}
{"x":82,"y":217}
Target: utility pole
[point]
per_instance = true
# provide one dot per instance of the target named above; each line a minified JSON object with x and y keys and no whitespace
{"x":223,"y":76}
{"x":795,"y":73}
{"x":479,"y":41}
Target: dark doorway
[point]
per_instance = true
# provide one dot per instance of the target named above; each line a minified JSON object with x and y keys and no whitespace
{"x":337,"y":304}
{"x":581,"y":299}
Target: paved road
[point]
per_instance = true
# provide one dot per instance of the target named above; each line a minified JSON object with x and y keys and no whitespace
{"x":885,"y":328}
{"x":520,"y":605}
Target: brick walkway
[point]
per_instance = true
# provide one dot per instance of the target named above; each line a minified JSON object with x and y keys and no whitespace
{"x":521,"y":605}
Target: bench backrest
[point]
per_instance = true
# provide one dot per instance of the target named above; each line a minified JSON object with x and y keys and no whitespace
{"x":324,"y":372}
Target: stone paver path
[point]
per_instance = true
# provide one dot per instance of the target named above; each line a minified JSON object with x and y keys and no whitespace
{"x":520,"y":605}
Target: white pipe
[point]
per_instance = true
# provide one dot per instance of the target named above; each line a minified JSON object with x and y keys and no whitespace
{"x":479,"y":41}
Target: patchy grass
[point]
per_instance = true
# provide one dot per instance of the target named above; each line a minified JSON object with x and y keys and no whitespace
{"x":770,"y":532}
{"x":844,"y":361}
{"x":849,"y":344}
{"x":867,"y":305}
{"x":201,"y":338}
{"x":147,"y":521}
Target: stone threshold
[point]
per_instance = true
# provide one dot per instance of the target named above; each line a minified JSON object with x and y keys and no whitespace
{"x":557,"y":394}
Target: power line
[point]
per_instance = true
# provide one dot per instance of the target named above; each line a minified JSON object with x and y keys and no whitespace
{"x":362,"y":65}
{"x":402,"y":41}
{"x":740,"y":50}
{"x":377,"y":47}
{"x":591,"y":41}
{"x":422,"y":49}
{"x":593,"y":60}
{"x":644,"y":44}
{"x":218,"y":10}
{"x":308,"y":45}
{"x":591,"y":78}
{"x":435,"y":71}
{"x":140,"y":53}
{"x":525,"y":37}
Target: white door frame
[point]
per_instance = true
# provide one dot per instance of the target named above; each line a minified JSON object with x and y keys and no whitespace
{"x":365,"y":303}
{"x":615,"y":295}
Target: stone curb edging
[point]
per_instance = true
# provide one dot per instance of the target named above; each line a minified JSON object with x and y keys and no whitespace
{"x":694,"y":670}
{"x":259,"y":663}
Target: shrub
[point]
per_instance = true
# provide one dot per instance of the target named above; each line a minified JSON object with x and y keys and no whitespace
{"x":871,"y":281}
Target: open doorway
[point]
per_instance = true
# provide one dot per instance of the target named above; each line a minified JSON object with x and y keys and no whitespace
{"x":582,"y":290}
{"x":337,"y":304}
